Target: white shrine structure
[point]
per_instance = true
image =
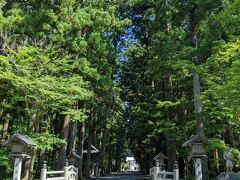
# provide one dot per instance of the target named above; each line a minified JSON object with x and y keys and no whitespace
{"x":132,"y":165}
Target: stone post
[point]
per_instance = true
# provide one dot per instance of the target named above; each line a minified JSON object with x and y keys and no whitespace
{"x":164,"y":174}
{"x":96,"y":168}
{"x":154,"y":173}
{"x":198,"y":169}
{"x":156,"y":169}
{"x":66,"y":170}
{"x":77,"y":173}
{"x":44,"y":171}
{"x":17,"y":168}
{"x":176,"y":171}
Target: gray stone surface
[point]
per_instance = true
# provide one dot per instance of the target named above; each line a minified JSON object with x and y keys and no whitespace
{"x":228,"y":156}
{"x":228,"y":176}
{"x":123,"y":176}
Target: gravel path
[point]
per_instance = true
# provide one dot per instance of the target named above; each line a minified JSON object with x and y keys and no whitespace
{"x":123,"y":176}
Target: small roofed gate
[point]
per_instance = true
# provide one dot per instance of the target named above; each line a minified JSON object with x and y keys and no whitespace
{"x":158,"y":172}
{"x":68,"y":173}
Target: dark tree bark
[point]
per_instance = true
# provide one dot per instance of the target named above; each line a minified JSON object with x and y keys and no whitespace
{"x":103,"y":150}
{"x":25,"y":169}
{"x":198,"y":103}
{"x":229,"y":136}
{"x":63,"y":148}
{"x":41,"y":159}
{"x":92,"y":126}
{"x":170,"y":140}
{"x":36,"y":123}
{"x":88,"y":162}
{"x":28,"y":164}
{"x":72,"y":137}
{"x":80,"y":149}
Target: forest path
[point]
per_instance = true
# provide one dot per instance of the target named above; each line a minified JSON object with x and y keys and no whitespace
{"x":123,"y":176}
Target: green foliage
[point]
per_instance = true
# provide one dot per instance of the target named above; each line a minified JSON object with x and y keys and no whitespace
{"x":171,"y":40}
{"x":216,"y":144}
{"x":46,"y":141}
{"x":58,"y":58}
{"x":168,"y":104}
{"x":30,"y":76}
{"x":231,"y":13}
{"x":5,"y":163}
{"x":221,"y":75}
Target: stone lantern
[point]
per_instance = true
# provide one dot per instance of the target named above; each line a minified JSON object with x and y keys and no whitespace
{"x":20,"y":145}
{"x":73,"y":157}
{"x":159,"y":161}
{"x":197,"y":143}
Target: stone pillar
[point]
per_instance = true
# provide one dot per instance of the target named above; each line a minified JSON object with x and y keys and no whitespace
{"x":66,"y":170}
{"x":96,"y":169}
{"x":17,"y":168}
{"x":43,"y":175}
{"x":156,"y":171}
{"x":164,"y":174}
{"x":176,"y":171}
{"x":198,"y":169}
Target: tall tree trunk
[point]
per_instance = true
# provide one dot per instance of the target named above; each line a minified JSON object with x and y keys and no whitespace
{"x":110,"y":152}
{"x":95,"y":165}
{"x":5,"y":127}
{"x":28,"y":164}
{"x":94,"y":137}
{"x":92,"y":125}
{"x":171,"y":152}
{"x":36,"y":123}
{"x":41,"y":159}
{"x":198,"y":103}
{"x":51,"y":159}
{"x":80,"y":149}
{"x":90,"y":140}
{"x":72,"y":137}
{"x":170,"y":140}
{"x":25,"y":169}
{"x":63,"y":148}
{"x":102,"y":150}
{"x":230,"y":136}
{"x":88,"y":162}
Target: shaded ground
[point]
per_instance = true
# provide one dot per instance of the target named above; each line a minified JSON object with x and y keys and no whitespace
{"x":123,"y":176}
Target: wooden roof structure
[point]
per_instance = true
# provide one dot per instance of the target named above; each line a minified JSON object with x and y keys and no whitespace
{"x":23,"y":139}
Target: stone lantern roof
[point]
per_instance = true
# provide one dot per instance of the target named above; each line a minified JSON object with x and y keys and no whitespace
{"x":197,"y":138}
{"x":23,"y":139}
{"x":73,"y":154}
{"x":159,"y":156}
{"x":93,"y":150}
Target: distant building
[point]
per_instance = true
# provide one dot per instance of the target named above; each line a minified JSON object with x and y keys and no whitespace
{"x":132,"y":165}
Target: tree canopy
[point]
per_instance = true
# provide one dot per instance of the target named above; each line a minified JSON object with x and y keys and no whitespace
{"x":128,"y":77}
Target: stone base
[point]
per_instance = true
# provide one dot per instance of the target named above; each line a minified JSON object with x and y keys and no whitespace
{"x":228,"y":176}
